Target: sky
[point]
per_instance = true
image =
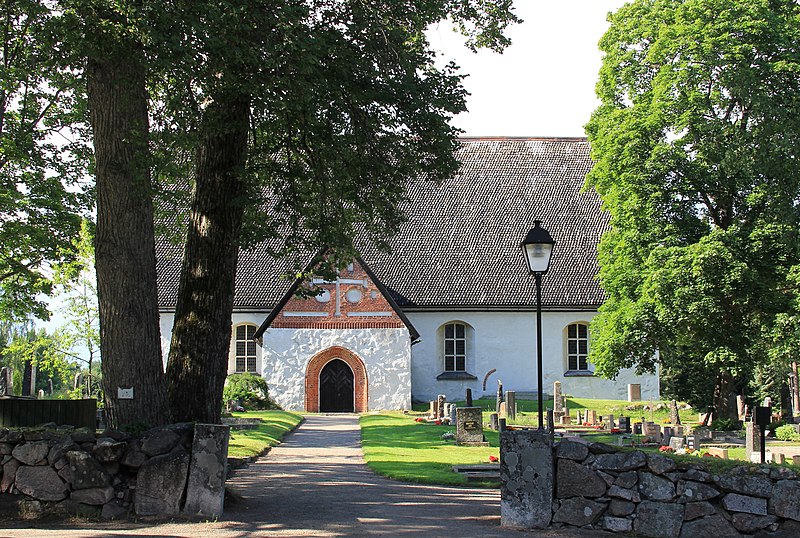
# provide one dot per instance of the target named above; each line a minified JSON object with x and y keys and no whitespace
{"x":543,"y":84}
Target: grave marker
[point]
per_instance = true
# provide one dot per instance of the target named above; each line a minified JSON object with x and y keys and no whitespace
{"x":469,"y":398}
{"x":6,"y":381}
{"x":676,"y":443}
{"x":440,"y":400}
{"x":558,"y":401}
{"x":674,"y":416}
{"x":511,"y":404}
{"x":634,"y":392}
{"x":591,"y":417}
{"x":469,"y":426}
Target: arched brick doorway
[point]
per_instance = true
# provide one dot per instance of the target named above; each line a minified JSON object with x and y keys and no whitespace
{"x":314,"y":369}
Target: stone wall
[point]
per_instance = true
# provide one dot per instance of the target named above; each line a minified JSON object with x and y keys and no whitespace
{"x":650,"y":494}
{"x":109,"y":474}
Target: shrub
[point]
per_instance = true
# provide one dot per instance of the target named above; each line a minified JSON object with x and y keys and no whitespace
{"x":251,"y":390}
{"x":786,"y":433}
{"x":726,"y":424}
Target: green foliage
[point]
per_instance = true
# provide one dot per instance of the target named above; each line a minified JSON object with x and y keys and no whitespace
{"x":249,"y":389}
{"x":254,"y":442}
{"x":42,"y":159}
{"x":726,"y":424}
{"x":694,"y":143}
{"x":786,"y":433}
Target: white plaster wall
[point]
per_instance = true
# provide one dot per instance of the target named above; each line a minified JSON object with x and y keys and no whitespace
{"x":507,"y":341}
{"x":386,"y":354}
{"x":255,"y":318}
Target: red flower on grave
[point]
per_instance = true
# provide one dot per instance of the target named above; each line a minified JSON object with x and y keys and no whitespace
{"x":494,"y":459}
{"x":419,"y":419}
{"x":438,"y":422}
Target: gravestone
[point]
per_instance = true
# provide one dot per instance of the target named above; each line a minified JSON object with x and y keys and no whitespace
{"x":718,"y":452}
{"x":526,"y":470}
{"x":637,"y":428}
{"x":611,"y":423}
{"x":29,"y":379}
{"x":676,"y":443}
{"x":432,"y":409}
{"x":6,"y":381}
{"x":205,"y":489}
{"x":453,"y":408}
{"x":503,"y":410}
{"x":494,"y":421}
{"x":558,"y":401}
{"x":634,"y":392}
{"x":469,"y":426}
{"x":578,"y":416}
{"x":652,"y":431}
{"x":550,"y":422}
{"x":693,"y":442}
{"x":667,"y":431}
{"x":565,"y":420}
{"x":591,"y":417}
{"x":625,"y":424}
{"x":674,"y":416}
{"x":511,"y":404}
{"x":469,"y":398}
{"x":752,"y":442}
{"x":440,"y":400}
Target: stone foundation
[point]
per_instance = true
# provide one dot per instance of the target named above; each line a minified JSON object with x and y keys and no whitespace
{"x":599,"y":486}
{"x":109,"y":474}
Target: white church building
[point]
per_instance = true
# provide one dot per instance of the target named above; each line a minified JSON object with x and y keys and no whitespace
{"x":452,"y":307}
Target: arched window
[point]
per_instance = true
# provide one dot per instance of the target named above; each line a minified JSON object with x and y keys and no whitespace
{"x":577,"y":348}
{"x":455,"y":347}
{"x":245,"y":349}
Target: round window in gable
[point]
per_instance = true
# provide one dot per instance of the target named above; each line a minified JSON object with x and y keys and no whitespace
{"x":353,"y":295}
{"x":324,"y":297}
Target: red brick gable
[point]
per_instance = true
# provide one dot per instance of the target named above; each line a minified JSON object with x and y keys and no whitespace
{"x":354,"y":301}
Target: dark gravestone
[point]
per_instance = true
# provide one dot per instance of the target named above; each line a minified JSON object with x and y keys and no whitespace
{"x":494,"y":421}
{"x":469,"y":426}
{"x":29,"y":379}
{"x":625,"y":424}
{"x":6,"y":381}
{"x":499,"y":396}
{"x":511,"y":404}
{"x":469,"y":397}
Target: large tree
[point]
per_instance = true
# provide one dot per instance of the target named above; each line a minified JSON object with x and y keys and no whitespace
{"x":308,"y":125}
{"x":695,"y":143}
{"x":41,"y":168}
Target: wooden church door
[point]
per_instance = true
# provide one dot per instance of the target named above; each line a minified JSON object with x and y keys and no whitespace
{"x":336,"y":388}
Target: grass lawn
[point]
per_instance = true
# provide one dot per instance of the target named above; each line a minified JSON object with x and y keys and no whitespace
{"x":397,"y":447}
{"x":275,"y":424}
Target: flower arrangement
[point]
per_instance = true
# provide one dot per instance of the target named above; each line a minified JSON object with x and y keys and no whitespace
{"x":666,"y":449}
{"x":494,"y":459}
{"x":419,"y":419}
{"x":447,"y":436}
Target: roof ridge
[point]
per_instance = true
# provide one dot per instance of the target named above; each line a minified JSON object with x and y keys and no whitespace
{"x":527,"y":138}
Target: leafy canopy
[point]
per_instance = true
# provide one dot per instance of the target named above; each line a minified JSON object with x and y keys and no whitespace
{"x":695,"y":143}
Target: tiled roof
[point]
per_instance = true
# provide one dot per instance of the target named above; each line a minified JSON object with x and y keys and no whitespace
{"x":460,"y":246}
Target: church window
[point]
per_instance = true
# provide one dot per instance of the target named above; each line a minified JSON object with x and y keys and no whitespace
{"x":577,"y":349}
{"x":455,"y":347}
{"x":245,"y":348}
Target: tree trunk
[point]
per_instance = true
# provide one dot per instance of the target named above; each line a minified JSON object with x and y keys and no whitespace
{"x":723,"y":391}
{"x":198,"y":356}
{"x":125,"y":251}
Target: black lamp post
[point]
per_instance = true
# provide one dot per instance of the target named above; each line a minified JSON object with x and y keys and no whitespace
{"x":538,"y":248}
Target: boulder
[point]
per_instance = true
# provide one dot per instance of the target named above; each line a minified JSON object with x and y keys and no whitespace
{"x":114,"y":510}
{"x":751,"y":523}
{"x":93,"y":496}
{"x":689,"y":492}
{"x":60,"y":449}
{"x":739,"y":480}
{"x":33,"y":453}
{"x":83,"y":435}
{"x":607,"y":478}
{"x":782,"y":473}
{"x":655,"y":487}
{"x":624,"y":494}
{"x":733,"y":502}
{"x":785,"y":501}
{"x":41,"y":482}
{"x":660,"y":464}
{"x":621,"y":461}
{"x":160,"y":441}
{"x":134,"y":457}
{"x":602,"y":448}
{"x":6,"y":448}
{"x":714,"y":526}
{"x":621,"y":508}
{"x":576,"y":480}
{"x":659,"y":520}
{"x":84,"y":471}
{"x":108,"y":450}
{"x":697,"y":475}
{"x":9,"y":474}
{"x":161,"y":483}
{"x":571,"y":450}
{"x":578,"y":511}
{"x":698,"y":509}
{"x":627,"y":479}
{"x":617,"y":524}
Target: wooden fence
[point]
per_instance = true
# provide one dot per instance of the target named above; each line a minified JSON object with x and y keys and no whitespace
{"x":16,"y":412}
